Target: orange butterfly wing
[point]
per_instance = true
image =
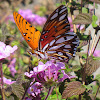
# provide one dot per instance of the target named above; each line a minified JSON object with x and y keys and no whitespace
{"x":30,"y":34}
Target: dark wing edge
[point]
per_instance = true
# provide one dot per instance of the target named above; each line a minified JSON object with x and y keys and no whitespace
{"x":63,"y":48}
{"x":56,"y":25}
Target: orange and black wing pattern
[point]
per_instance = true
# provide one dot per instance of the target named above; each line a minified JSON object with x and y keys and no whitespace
{"x":56,"y":25}
{"x":30,"y":34}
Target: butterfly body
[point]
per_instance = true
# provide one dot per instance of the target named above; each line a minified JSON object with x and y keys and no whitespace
{"x":55,"y":41}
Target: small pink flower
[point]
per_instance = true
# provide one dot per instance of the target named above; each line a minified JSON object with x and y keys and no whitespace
{"x":49,"y":73}
{"x":6,"y":50}
{"x":35,"y":90}
{"x":9,"y":18}
{"x":12,"y":66}
{"x":7,"y":81}
{"x":32,"y":18}
{"x":97,"y":53}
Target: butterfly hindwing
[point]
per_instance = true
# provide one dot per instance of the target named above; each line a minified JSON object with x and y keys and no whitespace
{"x":30,"y":34}
{"x":64,"y":47}
{"x":57,"y":24}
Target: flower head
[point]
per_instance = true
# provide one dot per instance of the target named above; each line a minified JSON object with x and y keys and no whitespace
{"x":35,"y":90}
{"x":97,"y":53}
{"x":7,"y":81}
{"x":32,"y":18}
{"x":6,"y":50}
{"x":12,"y":66}
{"x":48,"y":73}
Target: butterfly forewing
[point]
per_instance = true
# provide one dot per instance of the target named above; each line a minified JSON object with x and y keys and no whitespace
{"x":30,"y":34}
{"x":56,"y":25}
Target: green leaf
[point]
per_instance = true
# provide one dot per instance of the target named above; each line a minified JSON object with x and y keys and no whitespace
{"x":22,"y":50}
{"x":96,"y":1}
{"x":92,"y":66}
{"x":21,"y":79}
{"x":8,"y":91}
{"x":15,"y":43}
{"x":83,"y":18}
{"x":10,"y":98}
{"x":73,"y":88}
{"x":84,"y":10}
{"x":98,"y":77}
{"x":17,"y":89}
{"x":83,"y":43}
{"x":63,"y":3}
{"x":94,"y":18}
{"x":94,"y":24}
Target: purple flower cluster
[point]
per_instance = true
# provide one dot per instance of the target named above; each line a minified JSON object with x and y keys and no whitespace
{"x":7,"y":81}
{"x":12,"y":66}
{"x":34,"y":91}
{"x":47,"y":74}
{"x":32,"y":18}
{"x":97,"y":53}
{"x":6,"y":50}
{"x":29,"y":16}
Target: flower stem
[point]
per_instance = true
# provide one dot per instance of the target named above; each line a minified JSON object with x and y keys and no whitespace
{"x":97,"y":92}
{"x":26,"y":90}
{"x":2,"y":84}
{"x":49,"y":92}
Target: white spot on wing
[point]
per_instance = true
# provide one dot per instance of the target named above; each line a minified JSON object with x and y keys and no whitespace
{"x":69,"y":55}
{"x":69,"y":37}
{"x":62,"y":17}
{"x":51,"y":52}
{"x":71,"y":33}
{"x":52,"y":42}
{"x":43,"y":50}
{"x":60,"y":40}
{"x":75,"y":42}
{"x":56,"y":47}
{"x":65,"y":50}
{"x":67,"y":46}
{"x":62,"y":10}
{"x":60,"y":58}
{"x":60,"y":53}
{"x":54,"y":16}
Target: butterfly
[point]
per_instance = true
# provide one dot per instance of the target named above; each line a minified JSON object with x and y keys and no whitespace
{"x":55,"y":41}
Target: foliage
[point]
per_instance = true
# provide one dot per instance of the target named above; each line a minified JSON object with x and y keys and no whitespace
{"x":25,"y":77}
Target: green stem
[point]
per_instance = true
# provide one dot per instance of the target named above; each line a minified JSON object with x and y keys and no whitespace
{"x":2,"y":84}
{"x":49,"y":92}
{"x":97,"y":92}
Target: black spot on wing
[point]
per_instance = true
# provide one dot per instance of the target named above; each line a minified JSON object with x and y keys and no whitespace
{"x":19,"y":19}
{"x":55,"y":26}
{"x":29,"y":38}
{"x":56,"y":30}
{"x":45,"y":36}
{"x":30,"y":26}
{"x":24,"y":34}
{"x":42,"y":39}
{"x":36,"y":29}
